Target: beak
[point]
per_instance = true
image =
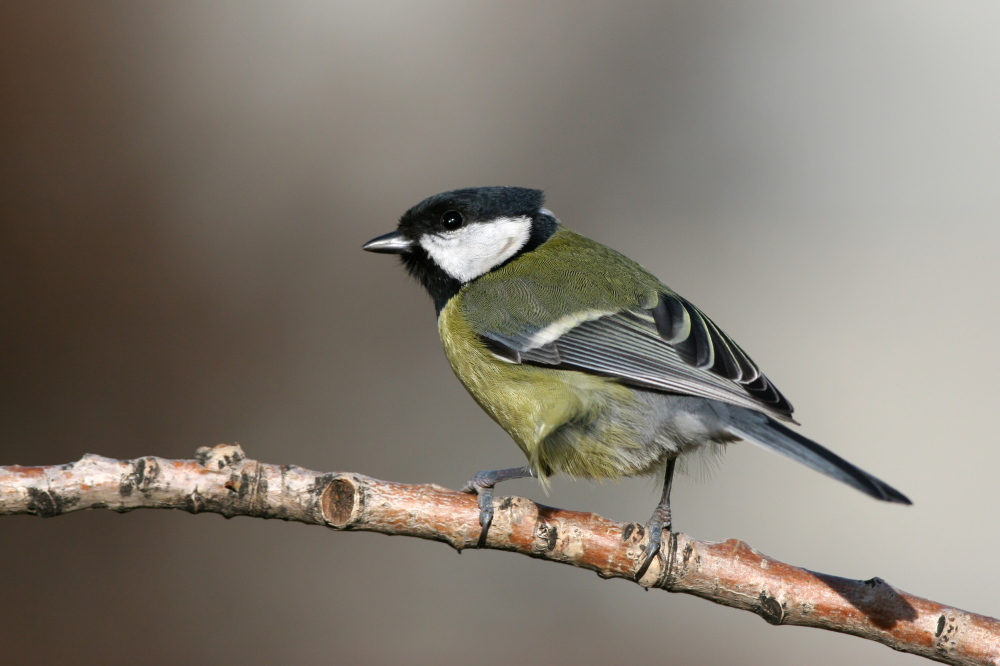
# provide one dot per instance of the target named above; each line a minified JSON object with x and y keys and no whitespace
{"x":391,"y":243}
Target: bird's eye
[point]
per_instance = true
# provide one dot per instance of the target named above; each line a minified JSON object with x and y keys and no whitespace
{"x":452,"y":220}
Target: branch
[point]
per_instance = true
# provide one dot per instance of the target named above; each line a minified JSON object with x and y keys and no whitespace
{"x":223,"y":480}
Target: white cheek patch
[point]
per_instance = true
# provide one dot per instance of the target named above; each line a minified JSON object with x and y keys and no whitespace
{"x":473,"y":250}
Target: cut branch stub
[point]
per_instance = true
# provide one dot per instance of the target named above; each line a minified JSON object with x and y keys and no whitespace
{"x":339,"y":499}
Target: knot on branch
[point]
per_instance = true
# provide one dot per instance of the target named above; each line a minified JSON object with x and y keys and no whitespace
{"x":219,"y":456}
{"x":770,"y":609}
{"x":141,"y":476}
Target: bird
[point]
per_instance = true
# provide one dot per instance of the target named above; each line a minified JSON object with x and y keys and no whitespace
{"x":592,"y":365}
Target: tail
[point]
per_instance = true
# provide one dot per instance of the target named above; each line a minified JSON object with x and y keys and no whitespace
{"x":771,"y":435}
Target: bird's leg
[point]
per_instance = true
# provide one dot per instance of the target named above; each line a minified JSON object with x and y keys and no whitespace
{"x":658,"y":522}
{"x":482,"y":484}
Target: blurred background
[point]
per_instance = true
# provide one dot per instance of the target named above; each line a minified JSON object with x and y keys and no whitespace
{"x":184,"y":190}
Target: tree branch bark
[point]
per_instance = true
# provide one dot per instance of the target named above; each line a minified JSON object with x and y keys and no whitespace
{"x":223,"y":480}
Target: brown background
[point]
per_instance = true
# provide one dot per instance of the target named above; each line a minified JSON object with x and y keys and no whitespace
{"x":184,"y":188}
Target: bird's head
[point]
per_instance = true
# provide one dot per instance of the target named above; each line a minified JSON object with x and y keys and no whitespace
{"x":452,"y":238}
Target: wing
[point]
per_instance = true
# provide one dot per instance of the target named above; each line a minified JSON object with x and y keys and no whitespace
{"x":672,"y":347}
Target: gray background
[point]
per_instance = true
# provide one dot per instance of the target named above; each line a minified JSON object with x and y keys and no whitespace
{"x":184,"y":188}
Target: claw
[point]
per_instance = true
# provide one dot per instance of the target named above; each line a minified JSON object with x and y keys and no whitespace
{"x":485,"y":514}
{"x":652,"y":548}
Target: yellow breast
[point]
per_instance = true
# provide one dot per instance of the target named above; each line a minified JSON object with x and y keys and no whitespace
{"x":581,"y":424}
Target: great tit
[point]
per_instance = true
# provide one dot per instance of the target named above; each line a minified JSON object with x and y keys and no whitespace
{"x":593,"y":366}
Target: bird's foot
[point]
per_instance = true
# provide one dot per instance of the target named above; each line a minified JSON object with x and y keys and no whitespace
{"x":482,"y":484}
{"x":657,"y":525}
